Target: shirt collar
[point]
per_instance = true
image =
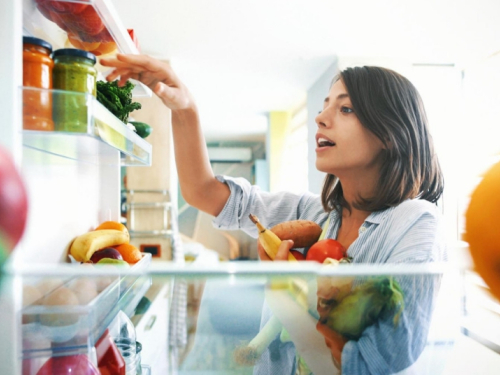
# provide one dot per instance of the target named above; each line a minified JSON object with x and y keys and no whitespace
{"x":377,"y":217}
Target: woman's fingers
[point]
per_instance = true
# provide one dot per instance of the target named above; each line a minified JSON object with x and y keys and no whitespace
{"x":282,"y":253}
{"x":262,"y":253}
{"x":283,"y":250}
{"x":143,"y":61}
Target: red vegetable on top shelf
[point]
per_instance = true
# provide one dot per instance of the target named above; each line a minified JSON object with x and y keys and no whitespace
{"x":81,"y":20}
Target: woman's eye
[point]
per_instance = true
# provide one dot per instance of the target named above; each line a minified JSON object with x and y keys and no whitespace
{"x":346,"y":110}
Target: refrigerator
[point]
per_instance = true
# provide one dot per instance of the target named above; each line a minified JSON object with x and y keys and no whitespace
{"x":199,"y":317}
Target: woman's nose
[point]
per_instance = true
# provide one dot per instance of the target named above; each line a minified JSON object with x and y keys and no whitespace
{"x":320,"y":121}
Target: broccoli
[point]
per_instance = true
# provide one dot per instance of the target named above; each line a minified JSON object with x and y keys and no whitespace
{"x":118,"y":100}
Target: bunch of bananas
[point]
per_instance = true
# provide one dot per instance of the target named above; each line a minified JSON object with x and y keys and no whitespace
{"x":84,"y":246}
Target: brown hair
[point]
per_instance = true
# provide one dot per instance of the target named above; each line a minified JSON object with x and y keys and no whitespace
{"x":388,"y":105}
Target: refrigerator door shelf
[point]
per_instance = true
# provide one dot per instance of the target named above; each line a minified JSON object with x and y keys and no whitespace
{"x":100,"y":132}
{"x":73,"y":329}
{"x":91,"y":25}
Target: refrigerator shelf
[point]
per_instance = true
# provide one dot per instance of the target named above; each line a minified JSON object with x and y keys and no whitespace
{"x":92,"y":25}
{"x":63,"y":330}
{"x":100,"y":133}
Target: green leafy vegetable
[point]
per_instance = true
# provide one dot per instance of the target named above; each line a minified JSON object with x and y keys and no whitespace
{"x":118,"y":100}
{"x":368,"y":302}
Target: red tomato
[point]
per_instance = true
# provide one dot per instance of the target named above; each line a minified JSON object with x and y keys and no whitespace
{"x":326,"y":249}
{"x":298,"y":255}
{"x":13,"y":201}
{"x":66,"y":7}
{"x":89,"y":22}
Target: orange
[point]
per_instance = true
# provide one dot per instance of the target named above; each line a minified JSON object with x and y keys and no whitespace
{"x":112,"y":225}
{"x":130,"y":253}
{"x":482,"y":233}
{"x":104,"y":48}
{"x":86,"y":46}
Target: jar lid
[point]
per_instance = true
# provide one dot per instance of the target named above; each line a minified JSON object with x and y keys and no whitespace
{"x":37,"y":42}
{"x":74,"y":52}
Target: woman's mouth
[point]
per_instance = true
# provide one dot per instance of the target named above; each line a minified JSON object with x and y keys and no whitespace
{"x":323,"y":143}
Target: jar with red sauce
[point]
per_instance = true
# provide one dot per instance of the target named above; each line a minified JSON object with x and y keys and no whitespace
{"x":37,"y":73}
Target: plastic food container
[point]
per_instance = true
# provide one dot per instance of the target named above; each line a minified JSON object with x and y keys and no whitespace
{"x":73,"y":71}
{"x":37,"y":72}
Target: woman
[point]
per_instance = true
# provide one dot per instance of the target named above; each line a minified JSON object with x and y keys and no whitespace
{"x":383,"y":179}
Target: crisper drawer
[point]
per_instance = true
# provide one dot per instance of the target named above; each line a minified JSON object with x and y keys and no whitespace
{"x":152,"y":328}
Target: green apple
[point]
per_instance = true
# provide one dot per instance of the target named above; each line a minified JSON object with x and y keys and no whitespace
{"x":117,"y":262}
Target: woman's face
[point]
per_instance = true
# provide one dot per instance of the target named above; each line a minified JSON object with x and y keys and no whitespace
{"x":344,"y":146}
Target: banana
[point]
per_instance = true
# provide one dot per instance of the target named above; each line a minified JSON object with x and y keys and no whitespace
{"x":84,"y":246}
{"x":269,"y":241}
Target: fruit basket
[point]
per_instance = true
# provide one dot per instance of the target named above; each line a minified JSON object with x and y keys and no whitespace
{"x":68,"y":315}
{"x":102,"y":129}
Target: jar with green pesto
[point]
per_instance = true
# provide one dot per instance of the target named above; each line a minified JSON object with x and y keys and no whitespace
{"x":75,"y":73}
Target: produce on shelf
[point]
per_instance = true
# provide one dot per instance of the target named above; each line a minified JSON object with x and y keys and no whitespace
{"x":108,"y":243}
{"x":481,"y":225}
{"x":81,"y":20}
{"x":85,"y":289}
{"x":112,"y":225}
{"x":117,"y":262}
{"x":143,"y":130}
{"x":107,"y":252}
{"x":84,"y":246}
{"x":60,"y":297}
{"x":97,"y":48}
{"x":118,"y":100}
{"x":368,"y":302}
{"x":13,"y":204}
{"x":129,"y":253}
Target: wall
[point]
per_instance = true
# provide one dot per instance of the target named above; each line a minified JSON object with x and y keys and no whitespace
{"x":315,"y":97}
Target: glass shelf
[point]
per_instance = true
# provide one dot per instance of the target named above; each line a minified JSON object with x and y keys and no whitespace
{"x":91,"y":25}
{"x":99,"y":131}
{"x":59,"y":329}
{"x":232,"y":298}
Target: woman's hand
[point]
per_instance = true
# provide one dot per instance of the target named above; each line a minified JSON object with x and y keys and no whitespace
{"x":282,"y":253}
{"x":155,"y":74}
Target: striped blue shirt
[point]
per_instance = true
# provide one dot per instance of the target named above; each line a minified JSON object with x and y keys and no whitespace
{"x":411,"y":232}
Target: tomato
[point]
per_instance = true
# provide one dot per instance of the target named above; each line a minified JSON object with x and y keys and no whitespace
{"x":13,"y":202}
{"x":89,"y":22}
{"x":326,"y":249}
{"x":298,"y":255}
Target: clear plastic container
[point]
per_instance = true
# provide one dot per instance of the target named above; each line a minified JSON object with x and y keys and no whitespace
{"x":68,"y":315}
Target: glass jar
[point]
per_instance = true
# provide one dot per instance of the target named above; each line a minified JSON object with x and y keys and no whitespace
{"x":37,"y":72}
{"x":75,"y":73}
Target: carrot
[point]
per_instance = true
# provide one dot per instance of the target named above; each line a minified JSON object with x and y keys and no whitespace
{"x":304,"y":233}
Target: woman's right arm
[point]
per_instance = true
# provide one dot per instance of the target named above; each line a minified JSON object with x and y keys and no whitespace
{"x":199,"y":187}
